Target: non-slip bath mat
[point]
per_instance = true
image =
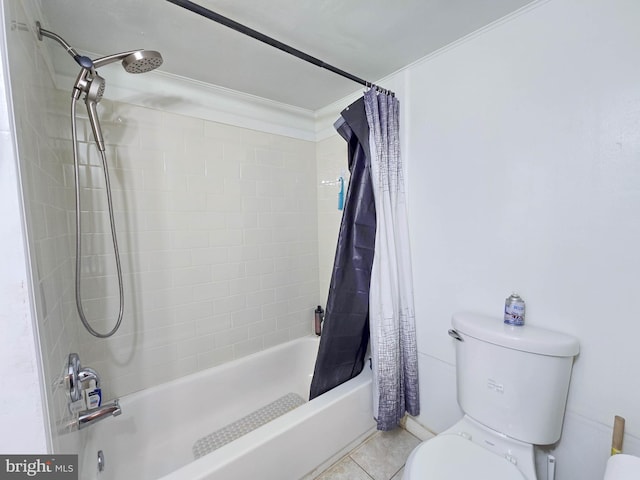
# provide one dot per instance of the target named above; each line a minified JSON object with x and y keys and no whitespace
{"x":234,"y":430}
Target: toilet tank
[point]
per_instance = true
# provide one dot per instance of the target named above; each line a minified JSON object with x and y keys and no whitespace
{"x":513,"y":379}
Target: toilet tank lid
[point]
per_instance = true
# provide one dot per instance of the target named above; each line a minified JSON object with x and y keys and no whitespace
{"x":525,"y":338}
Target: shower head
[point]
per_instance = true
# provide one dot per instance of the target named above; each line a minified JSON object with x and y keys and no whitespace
{"x":92,"y":84}
{"x":133,"y":61}
{"x":142,"y":61}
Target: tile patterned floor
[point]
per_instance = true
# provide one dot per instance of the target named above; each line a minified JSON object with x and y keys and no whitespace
{"x":381,"y":457}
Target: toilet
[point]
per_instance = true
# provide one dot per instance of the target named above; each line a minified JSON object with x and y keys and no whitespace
{"x":512,"y":385}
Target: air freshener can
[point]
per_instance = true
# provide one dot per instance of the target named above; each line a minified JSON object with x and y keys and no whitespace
{"x":514,"y":310}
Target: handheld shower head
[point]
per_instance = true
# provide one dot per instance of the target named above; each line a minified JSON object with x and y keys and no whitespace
{"x":94,"y":92}
{"x":92,"y":85}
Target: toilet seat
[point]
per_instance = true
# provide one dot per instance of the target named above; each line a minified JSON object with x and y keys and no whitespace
{"x":453,"y":457}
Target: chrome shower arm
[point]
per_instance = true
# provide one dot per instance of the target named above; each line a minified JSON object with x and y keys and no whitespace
{"x":102,"y":61}
{"x":46,"y":33}
{"x":84,"y":62}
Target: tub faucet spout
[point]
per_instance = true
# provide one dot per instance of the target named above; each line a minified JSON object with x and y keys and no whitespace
{"x":94,"y":415}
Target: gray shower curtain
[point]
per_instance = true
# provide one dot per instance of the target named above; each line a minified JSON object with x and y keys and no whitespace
{"x":391,"y":313}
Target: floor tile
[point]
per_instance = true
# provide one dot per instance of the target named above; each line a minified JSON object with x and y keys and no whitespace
{"x":398,"y":476}
{"x":346,"y":469}
{"x":385,"y":453}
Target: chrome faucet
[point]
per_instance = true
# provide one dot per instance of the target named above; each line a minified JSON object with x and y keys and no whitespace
{"x":76,"y":377}
{"x":94,"y":415}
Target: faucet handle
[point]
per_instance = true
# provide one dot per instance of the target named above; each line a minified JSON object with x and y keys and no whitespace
{"x":86,"y":374}
{"x":77,"y":375}
{"x":72,"y":379}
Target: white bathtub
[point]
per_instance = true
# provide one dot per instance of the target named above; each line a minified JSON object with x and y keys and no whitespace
{"x":154,"y":436}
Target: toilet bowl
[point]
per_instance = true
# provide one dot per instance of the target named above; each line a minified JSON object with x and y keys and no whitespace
{"x":451,"y":457}
{"x":512,"y":385}
{"x":469,"y":450}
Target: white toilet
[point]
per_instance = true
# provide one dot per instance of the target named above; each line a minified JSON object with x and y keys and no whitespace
{"x":512,"y":387}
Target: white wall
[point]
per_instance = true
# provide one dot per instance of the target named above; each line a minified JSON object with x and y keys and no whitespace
{"x":46,"y":203}
{"x":524,"y":159}
{"x":23,"y":411}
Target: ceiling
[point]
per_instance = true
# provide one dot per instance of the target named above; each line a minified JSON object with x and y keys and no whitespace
{"x":367,"y":38}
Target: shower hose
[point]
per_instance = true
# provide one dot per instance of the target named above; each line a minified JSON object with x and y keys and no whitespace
{"x":83,"y":318}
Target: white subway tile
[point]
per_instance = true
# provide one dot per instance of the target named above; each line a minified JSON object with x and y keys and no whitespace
{"x":209,"y":255}
{"x":229,"y":304}
{"x":244,"y":285}
{"x":192,"y":275}
{"x":167,"y":335}
{"x":259,"y":267}
{"x":222,"y":132}
{"x":232,"y":336}
{"x":228,"y":237}
{"x":276,"y":338}
{"x":165,"y":259}
{"x":237,"y":153}
{"x":193,"y":126}
{"x":180,"y":163}
{"x":163,"y":220}
{"x":213,"y":324}
{"x":196,"y":345}
{"x":195,"y":311}
{"x":210,"y":291}
{"x":248,"y":347}
{"x":215,"y":357}
{"x":246,"y":317}
{"x":243,"y":253}
{"x":223,"y":203}
{"x":259,"y":329}
{"x":260,"y":298}
{"x":189,"y":239}
{"x":268,"y":157}
{"x":241,"y":220}
{"x":205,"y":220}
{"x":207,"y":184}
{"x":301,"y":330}
{"x":227,"y":271}
{"x":274,"y":310}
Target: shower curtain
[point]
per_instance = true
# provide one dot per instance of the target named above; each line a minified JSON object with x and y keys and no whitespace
{"x":373,"y":268}
{"x":391,"y":312}
{"x":345,"y":332}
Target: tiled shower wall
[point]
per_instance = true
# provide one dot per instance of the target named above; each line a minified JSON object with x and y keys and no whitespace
{"x":331,"y":155}
{"x":47,"y":201}
{"x":217,"y":231}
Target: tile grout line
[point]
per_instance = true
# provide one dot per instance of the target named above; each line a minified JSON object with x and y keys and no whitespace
{"x":361,"y":467}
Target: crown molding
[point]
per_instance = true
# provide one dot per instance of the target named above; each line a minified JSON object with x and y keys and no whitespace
{"x":184,"y":96}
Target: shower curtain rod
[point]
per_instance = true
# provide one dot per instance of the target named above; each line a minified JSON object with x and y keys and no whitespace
{"x":238,"y":27}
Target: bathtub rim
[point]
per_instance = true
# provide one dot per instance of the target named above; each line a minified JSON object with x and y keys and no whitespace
{"x":195,"y":376}
{"x":200,"y":468}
